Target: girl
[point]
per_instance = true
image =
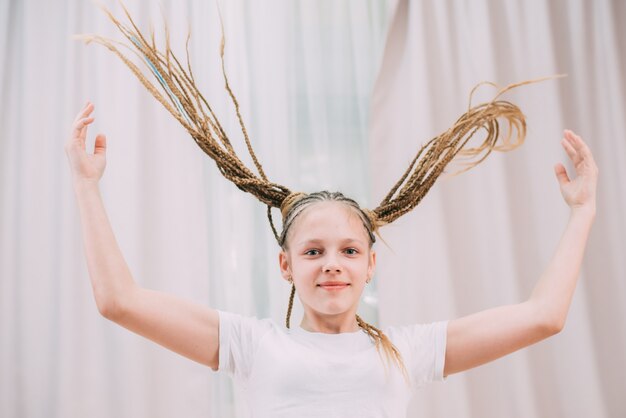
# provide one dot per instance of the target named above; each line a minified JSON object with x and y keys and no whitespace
{"x":334,"y":364}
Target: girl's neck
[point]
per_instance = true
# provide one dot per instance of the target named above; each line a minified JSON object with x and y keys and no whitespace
{"x":329,"y":324}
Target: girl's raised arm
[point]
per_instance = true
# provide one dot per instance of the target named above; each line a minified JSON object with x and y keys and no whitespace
{"x":181,"y":326}
{"x":485,"y":336}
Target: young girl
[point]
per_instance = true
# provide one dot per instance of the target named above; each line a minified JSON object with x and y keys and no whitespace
{"x":333,"y":364}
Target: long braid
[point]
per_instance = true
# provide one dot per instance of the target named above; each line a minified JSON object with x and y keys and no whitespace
{"x":180,"y":96}
{"x":290,"y":307}
{"x":432,"y":158}
{"x":380,"y":339}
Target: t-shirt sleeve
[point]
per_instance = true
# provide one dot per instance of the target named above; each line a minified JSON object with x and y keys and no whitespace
{"x":239,"y":339}
{"x":423,"y":348}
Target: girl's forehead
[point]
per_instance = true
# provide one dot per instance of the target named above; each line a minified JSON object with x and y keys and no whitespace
{"x":334,"y":218}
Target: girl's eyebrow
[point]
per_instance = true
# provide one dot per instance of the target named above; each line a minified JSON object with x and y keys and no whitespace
{"x":344,"y":241}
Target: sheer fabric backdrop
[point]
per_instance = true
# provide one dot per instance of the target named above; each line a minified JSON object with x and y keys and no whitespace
{"x":304,"y":72}
{"x":482,"y":239}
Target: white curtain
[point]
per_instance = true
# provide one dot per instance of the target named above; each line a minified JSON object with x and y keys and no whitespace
{"x":483,"y":238}
{"x":304,"y":72}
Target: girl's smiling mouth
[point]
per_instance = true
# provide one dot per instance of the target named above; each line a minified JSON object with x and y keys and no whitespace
{"x":333,"y":285}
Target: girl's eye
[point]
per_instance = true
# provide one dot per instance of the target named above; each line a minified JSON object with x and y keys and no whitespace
{"x":351,"y":251}
{"x":312,"y":252}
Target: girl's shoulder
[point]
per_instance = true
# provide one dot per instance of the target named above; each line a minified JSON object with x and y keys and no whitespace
{"x":245,"y":324}
{"x":423,"y":348}
{"x":417,"y":334}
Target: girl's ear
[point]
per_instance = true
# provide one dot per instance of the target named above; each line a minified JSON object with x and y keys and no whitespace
{"x":285,"y":268}
{"x":371,"y":266}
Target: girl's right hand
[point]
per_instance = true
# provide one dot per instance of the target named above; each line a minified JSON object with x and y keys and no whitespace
{"x":85,"y":167}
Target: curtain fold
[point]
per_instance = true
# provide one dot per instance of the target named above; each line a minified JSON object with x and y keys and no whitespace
{"x":302,"y":72}
{"x":483,"y":238}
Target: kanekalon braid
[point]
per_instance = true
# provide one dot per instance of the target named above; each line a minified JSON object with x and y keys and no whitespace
{"x":292,"y":294}
{"x":380,"y":339}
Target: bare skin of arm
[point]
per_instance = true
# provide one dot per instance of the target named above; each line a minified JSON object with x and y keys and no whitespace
{"x":179,"y":325}
{"x":485,"y":336}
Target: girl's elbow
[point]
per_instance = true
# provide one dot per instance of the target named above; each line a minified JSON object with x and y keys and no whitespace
{"x":111,"y":305}
{"x":111,"y":302}
{"x":108,"y":309}
{"x":552,"y":326}
{"x":547,"y":320}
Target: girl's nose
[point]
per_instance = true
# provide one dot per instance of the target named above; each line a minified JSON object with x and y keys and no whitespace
{"x":331,"y":266}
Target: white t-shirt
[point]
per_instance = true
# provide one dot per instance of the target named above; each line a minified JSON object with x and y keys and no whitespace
{"x":283,"y":372}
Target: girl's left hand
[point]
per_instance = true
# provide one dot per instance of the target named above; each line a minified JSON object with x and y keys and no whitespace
{"x":579,"y":192}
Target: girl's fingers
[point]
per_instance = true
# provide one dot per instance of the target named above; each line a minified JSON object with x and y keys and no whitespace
{"x":572,"y":135}
{"x":79,"y":134}
{"x":85,"y":112}
{"x":100,"y":146}
{"x":577,"y":142}
{"x":561,"y":174}
{"x":80,"y":127}
{"x":580,"y":154}
{"x":571,"y":152}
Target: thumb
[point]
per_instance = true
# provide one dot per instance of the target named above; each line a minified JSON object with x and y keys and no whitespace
{"x":100,"y":146}
{"x":561,"y":174}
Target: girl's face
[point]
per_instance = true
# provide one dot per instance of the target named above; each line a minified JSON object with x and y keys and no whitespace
{"x":329,"y":259}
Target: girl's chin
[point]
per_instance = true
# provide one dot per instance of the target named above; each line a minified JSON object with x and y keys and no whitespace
{"x":334,"y":310}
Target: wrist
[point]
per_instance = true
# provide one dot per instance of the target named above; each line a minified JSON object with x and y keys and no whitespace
{"x":588,"y":211}
{"x":85,"y":185}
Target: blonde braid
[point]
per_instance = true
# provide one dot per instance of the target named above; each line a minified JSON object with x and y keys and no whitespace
{"x":180,"y":96}
{"x":381,"y":340}
{"x":290,"y":306}
{"x":289,"y":201}
{"x":432,"y":158}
